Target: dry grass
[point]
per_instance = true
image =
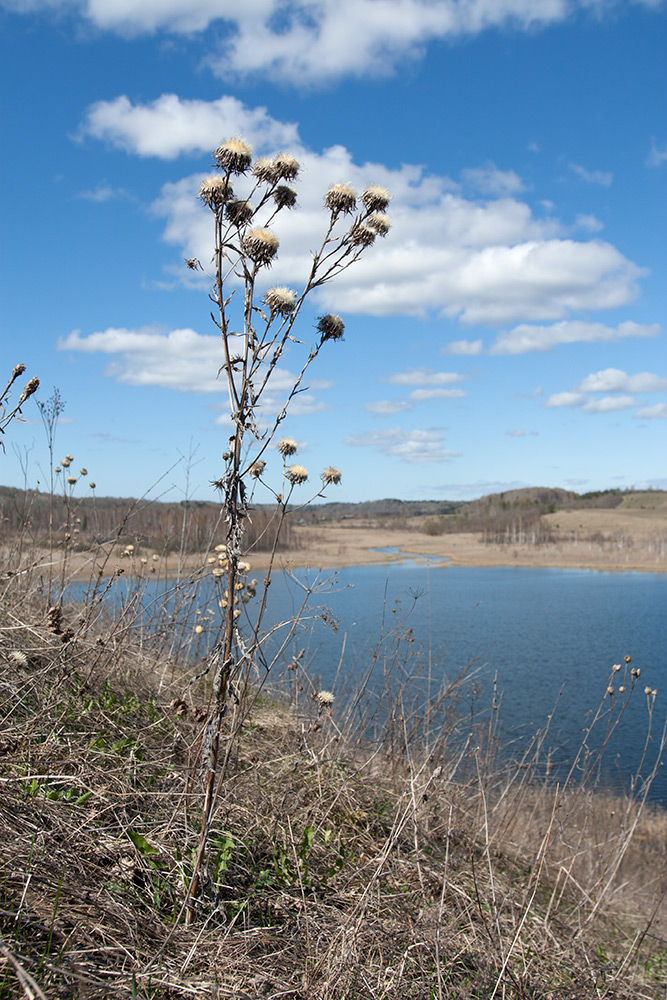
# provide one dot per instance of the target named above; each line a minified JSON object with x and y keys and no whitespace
{"x":337,"y":868}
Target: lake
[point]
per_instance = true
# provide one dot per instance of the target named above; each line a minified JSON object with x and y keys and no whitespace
{"x":550,"y":636}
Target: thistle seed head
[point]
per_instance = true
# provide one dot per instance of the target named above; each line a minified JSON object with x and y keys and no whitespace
{"x":261,"y":245}
{"x":287,"y":166}
{"x":379,"y":223}
{"x":331,"y":327}
{"x":234,"y":155}
{"x":325,"y":698}
{"x":30,"y":389}
{"x":341,"y":198}
{"x":376,"y":198}
{"x":238,"y":212}
{"x":331,"y":475}
{"x":361,"y":236}
{"x":280,"y":300}
{"x":284,"y":196}
{"x":264,"y":169}
{"x":215,"y":191}
{"x":297,"y":474}
{"x":287,"y":447}
{"x":257,"y":468}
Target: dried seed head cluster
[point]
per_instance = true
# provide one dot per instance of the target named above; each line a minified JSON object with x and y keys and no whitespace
{"x":376,"y":198}
{"x":281,"y":167}
{"x":331,"y":475}
{"x":261,"y":245}
{"x":325,"y":698}
{"x":287,"y":447}
{"x":280,"y":300}
{"x":257,"y":468}
{"x":297,"y":474}
{"x":379,"y":223}
{"x":362,"y":236}
{"x":234,"y":155}
{"x":341,"y":198}
{"x":238,"y":212}
{"x":215,"y":191}
{"x":284,"y":196}
{"x":331,"y":327}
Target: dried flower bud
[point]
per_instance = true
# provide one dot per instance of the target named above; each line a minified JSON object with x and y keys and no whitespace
{"x":30,"y":389}
{"x":257,"y":468}
{"x":621,"y":689}
{"x":287,"y":446}
{"x":627,"y":659}
{"x":280,"y":300}
{"x":83,"y":472}
{"x":234,"y":155}
{"x":331,"y":327}
{"x":341,"y":198}
{"x":261,"y":245}
{"x":284,"y":196}
{"x":57,"y":469}
{"x":610,"y":692}
{"x":331,"y":475}
{"x":66,"y":462}
{"x":297,"y":474}
{"x":92,"y":485}
{"x":17,"y":370}
{"x":379,"y":223}
{"x":264,"y":169}
{"x":286,"y":166}
{"x":361,"y":236}
{"x":71,"y":480}
{"x":647,"y":690}
{"x":376,"y":198}
{"x":193,"y":263}
{"x":70,"y":458}
{"x":238,"y":212}
{"x":616,"y":667}
{"x":215,"y":191}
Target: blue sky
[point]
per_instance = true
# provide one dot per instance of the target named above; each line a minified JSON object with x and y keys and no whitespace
{"x":508,"y":332}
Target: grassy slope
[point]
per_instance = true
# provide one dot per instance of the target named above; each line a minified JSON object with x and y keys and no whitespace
{"x":337,"y":869}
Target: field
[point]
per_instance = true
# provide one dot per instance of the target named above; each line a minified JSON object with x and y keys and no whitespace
{"x":355,"y":850}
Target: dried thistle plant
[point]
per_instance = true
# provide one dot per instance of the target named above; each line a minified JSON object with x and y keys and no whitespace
{"x":245,"y":245}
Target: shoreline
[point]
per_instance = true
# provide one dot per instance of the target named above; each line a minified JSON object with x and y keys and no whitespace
{"x":333,"y":547}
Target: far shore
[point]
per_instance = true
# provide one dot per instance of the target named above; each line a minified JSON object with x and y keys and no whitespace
{"x":592,"y":540}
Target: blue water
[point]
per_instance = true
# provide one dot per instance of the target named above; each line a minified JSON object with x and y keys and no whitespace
{"x":550,"y":637}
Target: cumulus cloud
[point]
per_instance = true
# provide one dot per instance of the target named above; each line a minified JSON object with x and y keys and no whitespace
{"x":423,"y":377}
{"x":525,"y":338}
{"x":589,"y":222}
{"x":313,"y":41}
{"x":183,"y":360}
{"x":657,"y":412}
{"x":488,"y":179}
{"x":386,"y":407}
{"x":615,"y":380}
{"x":464,"y":347}
{"x":414,"y":447}
{"x":602,"y":177}
{"x":484,"y":262}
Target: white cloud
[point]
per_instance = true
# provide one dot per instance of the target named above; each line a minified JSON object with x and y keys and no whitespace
{"x":615,"y":380}
{"x":182,"y":360}
{"x":312,"y":41}
{"x":589,"y":223}
{"x":421,"y":395}
{"x":171,"y":126}
{"x":386,"y":407}
{"x":525,"y":338}
{"x":566,"y":399}
{"x":104,"y":192}
{"x":609,"y":404}
{"x":488,"y":179}
{"x":414,"y":447}
{"x":516,"y":433}
{"x":657,"y":412}
{"x":488,"y":262}
{"x":464,"y":347}
{"x":592,"y":176}
{"x":422,"y":377}
{"x":657,"y":156}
